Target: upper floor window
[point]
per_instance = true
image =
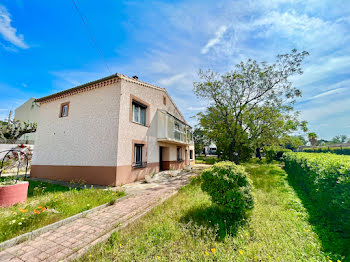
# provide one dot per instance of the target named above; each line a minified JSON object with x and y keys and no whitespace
{"x":164,"y":100}
{"x":139,"y":113}
{"x":64,"y":109}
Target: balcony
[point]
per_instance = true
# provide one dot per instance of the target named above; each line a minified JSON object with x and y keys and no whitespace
{"x":172,"y":130}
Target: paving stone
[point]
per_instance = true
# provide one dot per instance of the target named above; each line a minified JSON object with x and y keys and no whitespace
{"x":73,"y":238}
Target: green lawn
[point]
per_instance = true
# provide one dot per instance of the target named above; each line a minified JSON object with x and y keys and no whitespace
{"x":188,"y":227}
{"x":48,"y":203}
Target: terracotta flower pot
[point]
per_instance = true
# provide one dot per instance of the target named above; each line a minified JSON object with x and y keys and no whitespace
{"x":13,"y":194}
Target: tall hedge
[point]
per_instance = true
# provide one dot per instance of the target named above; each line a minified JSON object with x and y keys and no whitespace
{"x":229,"y":187}
{"x":274,"y":152}
{"x":334,"y":150}
{"x":325,"y":178}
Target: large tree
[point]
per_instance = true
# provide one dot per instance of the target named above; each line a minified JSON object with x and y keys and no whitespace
{"x":251,"y":106}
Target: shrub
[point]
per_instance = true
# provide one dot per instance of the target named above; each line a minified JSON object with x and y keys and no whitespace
{"x":325,"y":178}
{"x":334,"y":150}
{"x":274,"y":152}
{"x":229,"y":187}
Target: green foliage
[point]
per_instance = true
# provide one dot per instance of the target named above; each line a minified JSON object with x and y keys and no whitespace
{"x":250,"y":106}
{"x":200,"y":140}
{"x":325,"y":178}
{"x":333,"y":150}
{"x":229,"y":187}
{"x":209,"y":160}
{"x":312,"y":138}
{"x":274,"y":152}
{"x":278,"y":229}
{"x":48,"y":203}
{"x":292,"y":142}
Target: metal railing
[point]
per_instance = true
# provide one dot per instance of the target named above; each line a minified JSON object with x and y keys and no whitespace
{"x":19,"y":154}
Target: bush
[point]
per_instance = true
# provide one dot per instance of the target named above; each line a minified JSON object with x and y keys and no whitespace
{"x":274,"y":152}
{"x":325,"y":179}
{"x":229,"y":187}
{"x":334,"y":150}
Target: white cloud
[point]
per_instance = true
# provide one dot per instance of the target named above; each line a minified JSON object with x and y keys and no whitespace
{"x":171,"y":80}
{"x":8,"y":32}
{"x":200,"y":108}
{"x":330,"y":92}
{"x":212,"y":42}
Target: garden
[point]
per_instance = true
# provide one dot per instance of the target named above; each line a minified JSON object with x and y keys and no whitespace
{"x":42,"y":203}
{"x":251,"y":212}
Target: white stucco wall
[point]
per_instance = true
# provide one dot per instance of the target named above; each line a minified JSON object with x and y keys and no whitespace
{"x":88,"y":136}
{"x":28,"y":112}
{"x":129,"y":131}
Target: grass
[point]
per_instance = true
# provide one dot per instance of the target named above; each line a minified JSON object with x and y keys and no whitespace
{"x":48,"y":203}
{"x":188,"y":227}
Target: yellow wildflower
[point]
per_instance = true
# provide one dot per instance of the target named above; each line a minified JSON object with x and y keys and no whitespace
{"x":213,"y":250}
{"x":241,"y":252}
{"x":207,"y":253}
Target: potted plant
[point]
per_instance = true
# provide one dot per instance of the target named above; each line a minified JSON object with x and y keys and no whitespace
{"x":14,"y":190}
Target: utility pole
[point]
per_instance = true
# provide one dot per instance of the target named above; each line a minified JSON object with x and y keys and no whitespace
{"x":9,"y":120}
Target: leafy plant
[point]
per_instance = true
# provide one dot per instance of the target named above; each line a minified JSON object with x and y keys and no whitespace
{"x":250,"y":106}
{"x":274,"y":152}
{"x":325,"y":179}
{"x":229,"y":187}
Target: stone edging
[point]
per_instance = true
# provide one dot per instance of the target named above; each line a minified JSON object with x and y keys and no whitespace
{"x":107,"y":234}
{"x":30,"y":235}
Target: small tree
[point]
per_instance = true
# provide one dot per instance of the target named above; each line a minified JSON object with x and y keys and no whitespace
{"x":15,"y":129}
{"x":312,"y":138}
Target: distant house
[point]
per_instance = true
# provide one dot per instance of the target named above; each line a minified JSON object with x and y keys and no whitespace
{"x":27,"y":112}
{"x":210,"y":150}
{"x":111,"y":131}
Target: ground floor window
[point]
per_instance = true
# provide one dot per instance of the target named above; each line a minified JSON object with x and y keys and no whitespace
{"x":191,"y":154}
{"x":179,"y":155}
{"x":138,"y":155}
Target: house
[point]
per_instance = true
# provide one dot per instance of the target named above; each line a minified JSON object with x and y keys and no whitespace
{"x":111,"y":131}
{"x":27,"y":112}
{"x":210,"y":150}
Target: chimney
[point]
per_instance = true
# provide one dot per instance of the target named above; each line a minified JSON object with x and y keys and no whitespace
{"x":136,"y":77}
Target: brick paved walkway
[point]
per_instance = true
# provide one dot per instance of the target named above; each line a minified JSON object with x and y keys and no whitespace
{"x":70,"y":240}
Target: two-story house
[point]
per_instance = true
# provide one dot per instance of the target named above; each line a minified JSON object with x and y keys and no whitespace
{"x":111,"y":131}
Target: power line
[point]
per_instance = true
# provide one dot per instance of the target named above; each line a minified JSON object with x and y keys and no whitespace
{"x":91,"y":36}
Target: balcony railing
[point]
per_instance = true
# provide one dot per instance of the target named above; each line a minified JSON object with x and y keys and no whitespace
{"x":172,"y":129}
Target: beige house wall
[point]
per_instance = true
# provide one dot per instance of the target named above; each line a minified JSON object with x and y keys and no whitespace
{"x":28,"y":112}
{"x":95,"y":142}
{"x":88,"y":136}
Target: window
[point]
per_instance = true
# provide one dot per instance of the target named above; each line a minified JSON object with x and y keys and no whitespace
{"x":179,"y":156}
{"x":164,"y":100}
{"x":64,"y":109}
{"x":191,"y":154}
{"x":139,"y":113}
{"x":138,"y":148}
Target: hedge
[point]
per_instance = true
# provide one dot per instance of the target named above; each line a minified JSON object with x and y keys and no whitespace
{"x":325,"y":178}
{"x":274,"y":152}
{"x":334,"y":150}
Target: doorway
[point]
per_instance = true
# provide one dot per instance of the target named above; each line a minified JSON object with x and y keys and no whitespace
{"x":161,"y":166}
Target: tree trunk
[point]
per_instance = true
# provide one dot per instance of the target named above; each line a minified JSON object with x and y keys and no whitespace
{"x":258,"y":153}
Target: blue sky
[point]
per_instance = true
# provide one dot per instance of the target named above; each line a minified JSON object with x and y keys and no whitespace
{"x":45,"y":48}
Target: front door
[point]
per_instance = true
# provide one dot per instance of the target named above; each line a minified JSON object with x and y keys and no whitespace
{"x":161,"y":168}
